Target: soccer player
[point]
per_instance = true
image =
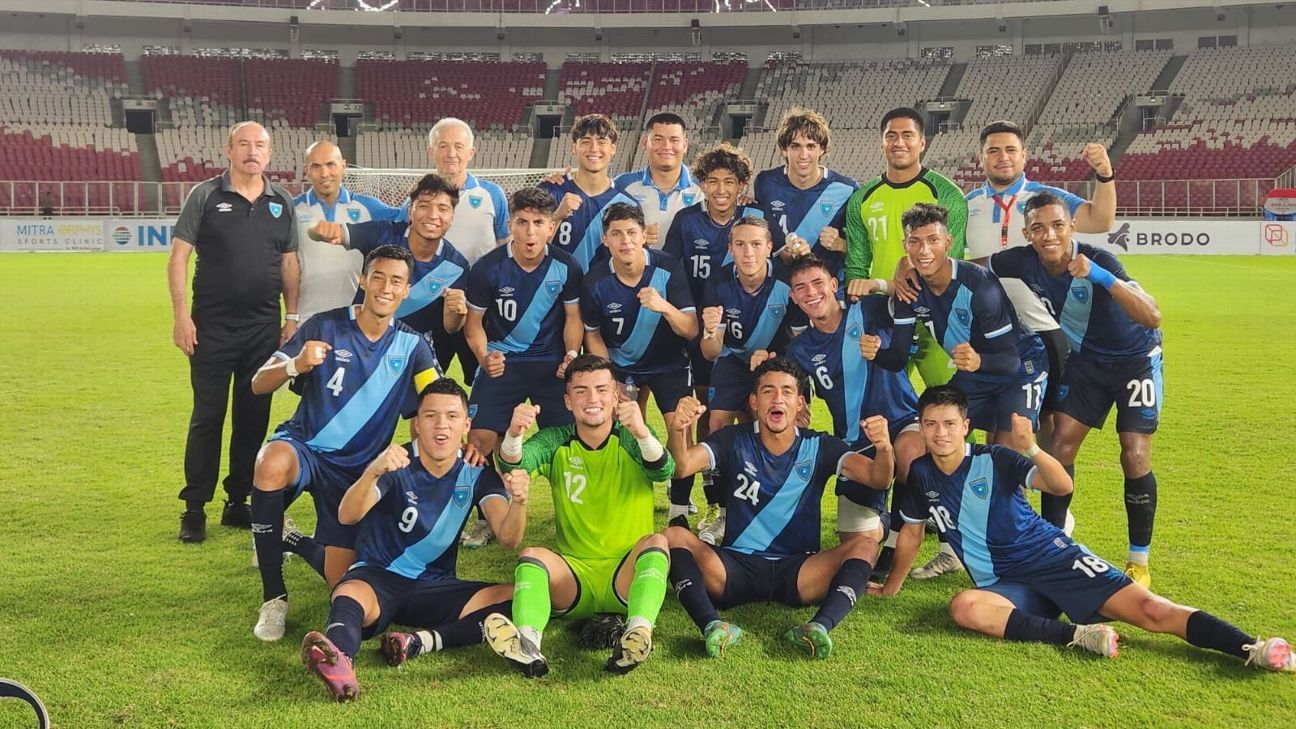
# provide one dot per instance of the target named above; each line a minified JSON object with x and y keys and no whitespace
{"x":354,"y":369}
{"x":804,"y":198}
{"x":1028,"y":572}
{"x":330,"y":276}
{"x":664,"y":186}
{"x":437,"y":305}
{"x":410,"y":504}
{"x":523,"y":325}
{"x":583,"y":195}
{"x":875,"y":238}
{"x":773,"y":475}
{"x":1112,"y":328}
{"x":854,"y":388}
{"x":601,"y":470}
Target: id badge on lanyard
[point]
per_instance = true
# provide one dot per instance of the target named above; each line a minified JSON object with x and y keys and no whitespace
{"x":1005,"y":210}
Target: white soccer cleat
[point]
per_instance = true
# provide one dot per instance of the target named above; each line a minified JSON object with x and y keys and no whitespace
{"x":713,"y":532}
{"x":943,"y":563}
{"x":477,"y":535}
{"x":1098,"y":638}
{"x":1274,"y":654}
{"x":272,"y":620}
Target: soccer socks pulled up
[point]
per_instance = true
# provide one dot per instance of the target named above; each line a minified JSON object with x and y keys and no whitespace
{"x":1140,"y":512}
{"x":306,"y":548}
{"x":531,"y":606}
{"x":847,"y":585}
{"x":1207,"y":631}
{"x":462,"y":632}
{"x":690,"y":589}
{"x":1054,"y":508}
{"x":267,"y":535}
{"x":648,"y":588}
{"x":681,"y":489}
{"x":1022,"y":626}
{"x":345,"y":621}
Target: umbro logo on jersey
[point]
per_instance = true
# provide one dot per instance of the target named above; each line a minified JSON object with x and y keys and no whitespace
{"x":973,"y":212}
{"x":921,"y":310}
{"x":576,"y":462}
{"x":877,"y":206}
{"x":734,"y":312}
{"x":306,"y":219}
{"x":396,"y":362}
{"x":475,"y":201}
{"x":933,"y":495}
{"x":343,"y":355}
{"x":614,"y":307}
{"x":411,"y":497}
{"x":507,"y":291}
{"x":354,"y":215}
{"x":749,"y":468}
{"x":224,"y":208}
{"x":819,"y":358}
{"x":702,"y":243}
{"x":776,"y":206}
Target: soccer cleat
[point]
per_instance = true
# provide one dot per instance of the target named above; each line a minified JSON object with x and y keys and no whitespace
{"x":505,"y":639}
{"x":478,"y":535}
{"x":719,"y":635}
{"x":602,"y":631}
{"x":236,"y":514}
{"x":713,"y":532}
{"x":942,"y":563}
{"x":1098,"y":638}
{"x":1274,"y":654}
{"x":193,"y":526}
{"x":1139,"y":573}
{"x":633,"y":649}
{"x":331,"y":666}
{"x":395,"y":647}
{"x":679,"y":521}
{"x":883,"y":567}
{"x":812,"y":638}
{"x":272,"y":619}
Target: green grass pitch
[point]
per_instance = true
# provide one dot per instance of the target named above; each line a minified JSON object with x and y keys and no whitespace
{"x":114,"y":623}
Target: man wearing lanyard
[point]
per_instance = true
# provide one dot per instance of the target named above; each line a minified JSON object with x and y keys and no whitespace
{"x":665,"y":186}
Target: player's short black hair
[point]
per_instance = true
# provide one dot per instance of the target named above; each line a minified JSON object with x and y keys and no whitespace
{"x":777,"y":364}
{"x":665,"y":117}
{"x":943,"y":395}
{"x":902,"y":112}
{"x":598,"y":125}
{"x":924,"y":214}
{"x":622,"y":211}
{"x":1003,"y":126}
{"x":444,"y":386}
{"x":806,"y":122}
{"x":395,"y":253}
{"x":754,"y":222}
{"x":433,"y":184}
{"x":1042,"y":200}
{"x":806,"y":263}
{"x":587,"y":363}
{"x":723,"y":156}
{"x":532,"y":198}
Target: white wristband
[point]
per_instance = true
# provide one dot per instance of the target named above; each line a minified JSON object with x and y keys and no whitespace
{"x":291,"y":367}
{"x":511,"y":448}
{"x":1031,"y":452}
{"x":883,"y":286}
{"x":650,"y":448}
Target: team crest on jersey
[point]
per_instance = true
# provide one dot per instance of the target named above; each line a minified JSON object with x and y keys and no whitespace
{"x":472,"y":409}
{"x":803,"y":470}
{"x":1080,"y":293}
{"x":854,"y":332}
{"x":354,"y":215}
{"x":276,"y":209}
{"x":1021,"y":207}
{"x":552,"y":287}
{"x":826,"y":208}
{"x":475,"y":201}
{"x":461,"y":494}
{"x":980,"y":488}
{"x":1062,"y":392}
{"x":778,"y":310}
{"x":434,"y":288}
{"x":689,"y":197}
{"x":396,"y":362}
{"x":964,"y":316}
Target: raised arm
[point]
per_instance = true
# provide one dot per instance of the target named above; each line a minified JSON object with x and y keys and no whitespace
{"x":365,"y":493}
{"x":690,"y":458}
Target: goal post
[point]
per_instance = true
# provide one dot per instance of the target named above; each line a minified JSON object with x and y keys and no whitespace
{"x":392,"y":186}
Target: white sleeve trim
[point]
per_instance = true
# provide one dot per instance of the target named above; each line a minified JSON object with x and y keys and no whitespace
{"x":280,"y":355}
{"x":1030,"y":478}
{"x":711,"y":460}
{"x":841,"y":464}
{"x":910,"y":520}
{"x":572,"y":301}
{"x":589,"y":328}
{"x":503,"y":496}
{"x":1000,"y":331}
{"x":474,"y":307}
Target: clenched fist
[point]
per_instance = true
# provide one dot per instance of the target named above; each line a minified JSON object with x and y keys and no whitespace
{"x":518,"y":484}
{"x":876,"y":429}
{"x":1096,"y":155}
{"x":629,"y":415}
{"x":687,"y":412}
{"x":524,"y":416}
{"x":651,"y":299}
{"x":965,"y":358}
{"x":711,"y":316}
{"x":831,"y":239}
{"x":394,"y":458}
{"x":456,"y":302}
{"x":493,"y":365}
{"x":569,"y":204}
{"x":870,"y":345}
{"x":312,"y":355}
{"x":326,"y":232}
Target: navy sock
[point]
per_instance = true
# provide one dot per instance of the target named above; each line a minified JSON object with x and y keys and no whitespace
{"x":267,"y":535}
{"x":468,"y":629}
{"x":306,"y":548}
{"x":847,"y":585}
{"x":690,"y":590}
{"x":1054,"y":508}
{"x":1022,"y":626}
{"x":1140,"y":508}
{"x":1207,"y":631}
{"x":345,"y":621}
{"x":680,"y":490}
{"x":712,"y":492}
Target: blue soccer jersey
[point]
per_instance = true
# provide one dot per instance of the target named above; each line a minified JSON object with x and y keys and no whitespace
{"x":853,"y":387}
{"x":414,"y":528}
{"x":1096,"y":326}
{"x":752,"y":320}
{"x":983,"y":513}
{"x":350,"y":403}
{"x":772,"y":502}
{"x":581,"y":234}
{"x":424,"y":309}
{"x":806,"y":212}
{"x":522,"y":311}
{"x":702,"y":244}
{"x":639,"y":341}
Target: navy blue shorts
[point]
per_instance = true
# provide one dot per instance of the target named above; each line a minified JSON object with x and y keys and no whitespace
{"x":749,"y":579}
{"x":875,"y":500}
{"x":668,"y":388}
{"x":490,"y":406}
{"x":416,"y":603}
{"x":701,"y":366}
{"x":991,"y":406}
{"x":1072,"y":581}
{"x":1058,"y":352}
{"x":327,"y":483}
{"x":731,"y":383}
{"x":1135,"y":386}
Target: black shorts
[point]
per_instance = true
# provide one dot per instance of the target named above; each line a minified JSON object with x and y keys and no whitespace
{"x":1135,"y":386}
{"x":491,"y":403}
{"x":1057,"y":350}
{"x":756,"y":579}
{"x":700,"y":366}
{"x":416,"y":603}
{"x":667,"y":388}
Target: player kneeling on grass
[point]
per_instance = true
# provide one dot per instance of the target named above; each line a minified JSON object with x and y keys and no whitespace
{"x":772,"y":475}
{"x":608,"y":560}
{"x":1028,"y":572}
{"x":411,"y":503}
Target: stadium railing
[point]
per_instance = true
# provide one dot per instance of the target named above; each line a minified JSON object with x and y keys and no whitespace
{"x":576,"y":7}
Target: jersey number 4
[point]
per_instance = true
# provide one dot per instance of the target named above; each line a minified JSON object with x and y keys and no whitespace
{"x":335,"y":382}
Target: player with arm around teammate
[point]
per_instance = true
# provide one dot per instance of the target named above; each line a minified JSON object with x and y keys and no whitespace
{"x":1028,"y":572}
{"x":410,"y":504}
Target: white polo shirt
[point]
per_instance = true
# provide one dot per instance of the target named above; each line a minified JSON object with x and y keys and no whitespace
{"x":480,"y":220}
{"x":329,"y":273}
{"x":659,"y":206}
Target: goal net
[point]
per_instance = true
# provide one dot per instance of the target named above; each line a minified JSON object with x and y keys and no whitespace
{"x":392,"y":186}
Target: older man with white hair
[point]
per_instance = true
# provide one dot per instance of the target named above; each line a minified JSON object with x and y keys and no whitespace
{"x":481,"y":217}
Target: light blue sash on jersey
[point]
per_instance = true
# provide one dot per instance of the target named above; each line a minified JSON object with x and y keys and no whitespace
{"x":770,"y":521}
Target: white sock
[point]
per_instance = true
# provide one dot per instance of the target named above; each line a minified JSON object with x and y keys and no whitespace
{"x":430,"y":640}
{"x":638,"y":621}
{"x":891,"y":539}
{"x":677,"y":510}
{"x":947,"y":548}
{"x":1139,"y":556}
{"x":531,"y":633}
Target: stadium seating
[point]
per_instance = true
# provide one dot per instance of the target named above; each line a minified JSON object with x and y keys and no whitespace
{"x":198,"y":91}
{"x":415,"y":94}
{"x":407,"y":149}
{"x":289,"y":92}
{"x":615,"y":89}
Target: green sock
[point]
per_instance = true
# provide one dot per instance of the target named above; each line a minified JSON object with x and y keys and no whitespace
{"x":648,"y":588}
{"x":531,"y":595}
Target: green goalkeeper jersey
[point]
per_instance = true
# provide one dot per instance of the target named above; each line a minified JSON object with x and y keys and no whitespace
{"x":874,"y":235}
{"x":602,"y":496}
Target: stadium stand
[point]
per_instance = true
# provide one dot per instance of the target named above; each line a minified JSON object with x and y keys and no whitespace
{"x":415,"y":94}
{"x":407,"y":149}
{"x":197,"y":91}
{"x":289,"y":92}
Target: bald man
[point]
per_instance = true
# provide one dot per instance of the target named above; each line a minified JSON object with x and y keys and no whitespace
{"x":330,"y":274}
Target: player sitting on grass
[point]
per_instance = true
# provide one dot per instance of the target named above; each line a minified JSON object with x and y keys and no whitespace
{"x":354,"y":368}
{"x":1028,"y":572}
{"x":772,"y":475}
{"x":601,"y":470}
{"x":411,"y":503}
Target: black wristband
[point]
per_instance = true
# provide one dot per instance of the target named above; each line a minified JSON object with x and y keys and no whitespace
{"x":1100,"y":178}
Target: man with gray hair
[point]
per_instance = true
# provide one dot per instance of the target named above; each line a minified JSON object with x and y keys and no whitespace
{"x":481,"y":217}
